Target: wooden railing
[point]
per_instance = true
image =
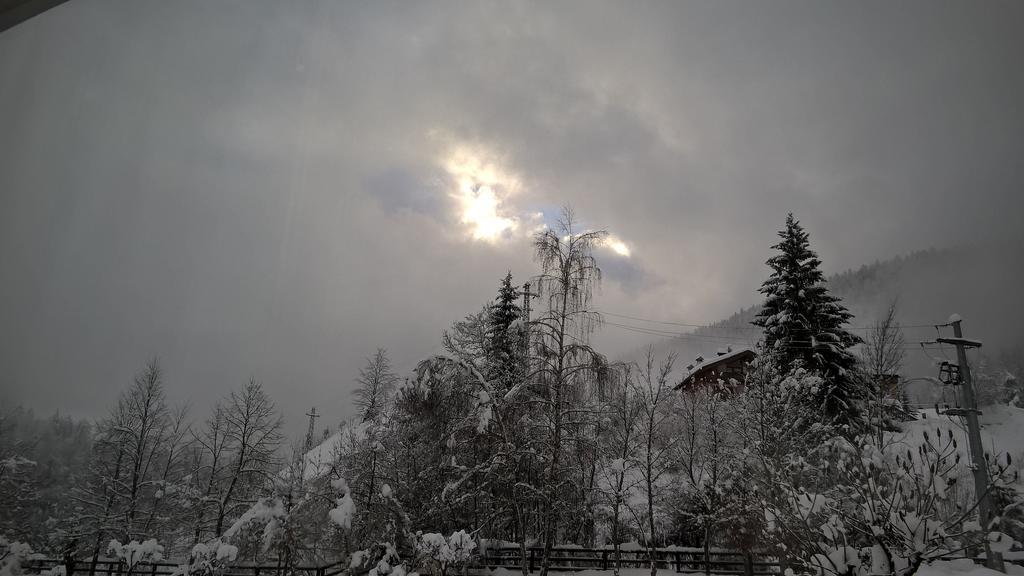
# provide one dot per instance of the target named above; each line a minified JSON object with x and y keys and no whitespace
{"x":107,"y":567}
{"x":562,"y":559}
{"x":680,"y":560}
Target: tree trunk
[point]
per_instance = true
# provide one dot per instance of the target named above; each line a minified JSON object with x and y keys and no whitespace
{"x":650,"y":508}
{"x":550,"y":523}
{"x":615,"y":531}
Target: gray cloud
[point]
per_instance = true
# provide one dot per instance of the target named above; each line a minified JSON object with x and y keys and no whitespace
{"x":259,"y":189}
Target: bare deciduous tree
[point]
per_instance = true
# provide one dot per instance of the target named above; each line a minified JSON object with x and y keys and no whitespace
{"x":564,"y":361}
{"x":137,"y":453}
{"x":209,"y":470}
{"x":376,"y":383}
{"x":620,"y":441}
{"x":253,"y":434}
{"x":882,"y":360}
{"x":654,"y":394}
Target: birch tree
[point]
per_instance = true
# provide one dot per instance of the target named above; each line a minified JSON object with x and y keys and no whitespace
{"x":565,"y":362}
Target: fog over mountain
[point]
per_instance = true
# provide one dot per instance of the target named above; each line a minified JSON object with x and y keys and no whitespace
{"x":979,"y":282}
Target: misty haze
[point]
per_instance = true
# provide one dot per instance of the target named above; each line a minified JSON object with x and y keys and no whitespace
{"x":483,"y":288}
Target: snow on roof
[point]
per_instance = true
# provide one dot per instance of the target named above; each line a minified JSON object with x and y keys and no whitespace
{"x":722,"y":355}
{"x":968,"y":342}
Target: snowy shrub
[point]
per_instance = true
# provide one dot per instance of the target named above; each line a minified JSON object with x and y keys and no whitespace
{"x":438,"y":554}
{"x":12,"y":555}
{"x":342,"y":513}
{"x":135,"y":552}
{"x":346,"y":508}
{"x":380,"y":560}
{"x":879,"y":512}
{"x":211,"y":558}
{"x":266,"y":514}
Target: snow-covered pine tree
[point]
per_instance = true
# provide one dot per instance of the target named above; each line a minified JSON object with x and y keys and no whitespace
{"x":804,"y":325}
{"x":503,"y":349}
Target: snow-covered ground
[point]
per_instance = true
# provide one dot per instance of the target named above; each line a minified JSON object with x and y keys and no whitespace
{"x":1002,"y":432}
{"x":1002,"y":428}
{"x":322,"y":457}
{"x":961,"y":567}
{"x":965,"y":567}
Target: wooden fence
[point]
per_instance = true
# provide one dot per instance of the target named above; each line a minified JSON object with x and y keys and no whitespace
{"x":563,"y":559}
{"x":680,"y":560}
{"x":106,"y":567}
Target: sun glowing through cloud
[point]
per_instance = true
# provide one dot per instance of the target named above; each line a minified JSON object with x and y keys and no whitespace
{"x":485,"y":195}
{"x":482,"y":189}
{"x":479,"y":207}
{"x":618,"y":246}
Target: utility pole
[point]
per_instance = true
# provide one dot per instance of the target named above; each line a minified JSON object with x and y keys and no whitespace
{"x":970,"y":412}
{"x":312,"y":425}
{"x":526,"y":318}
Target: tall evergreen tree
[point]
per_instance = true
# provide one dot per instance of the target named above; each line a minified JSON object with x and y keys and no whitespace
{"x":804,"y":324}
{"x":503,"y":340}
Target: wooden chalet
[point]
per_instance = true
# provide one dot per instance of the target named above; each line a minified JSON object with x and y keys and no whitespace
{"x":728,"y":365}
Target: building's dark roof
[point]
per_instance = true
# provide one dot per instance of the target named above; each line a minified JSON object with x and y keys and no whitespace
{"x":14,"y":12}
{"x":742,"y":354}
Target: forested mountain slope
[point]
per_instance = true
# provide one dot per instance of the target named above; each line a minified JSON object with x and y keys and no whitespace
{"x":981,"y":283}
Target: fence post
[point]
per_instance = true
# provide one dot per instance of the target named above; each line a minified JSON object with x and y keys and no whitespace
{"x":679,"y":562}
{"x":604,"y":560}
{"x":532,"y":558}
{"x":748,"y":563}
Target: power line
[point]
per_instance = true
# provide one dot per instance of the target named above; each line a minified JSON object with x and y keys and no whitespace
{"x":712,"y":339}
{"x":752,"y":328}
{"x":653,"y":321}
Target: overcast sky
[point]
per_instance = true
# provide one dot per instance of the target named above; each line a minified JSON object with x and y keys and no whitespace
{"x":275,"y":189}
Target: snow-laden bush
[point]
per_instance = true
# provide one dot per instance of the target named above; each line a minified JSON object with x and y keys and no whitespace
{"x":439,"y":554}
{"x":379,"y":560}
{"x":346,"y":507}
{"x":878,"y":512}
{"x":264,"y":517}
{"x":12,"y":555}
{"x":135,"y":552}
{"x":211,"y":558}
